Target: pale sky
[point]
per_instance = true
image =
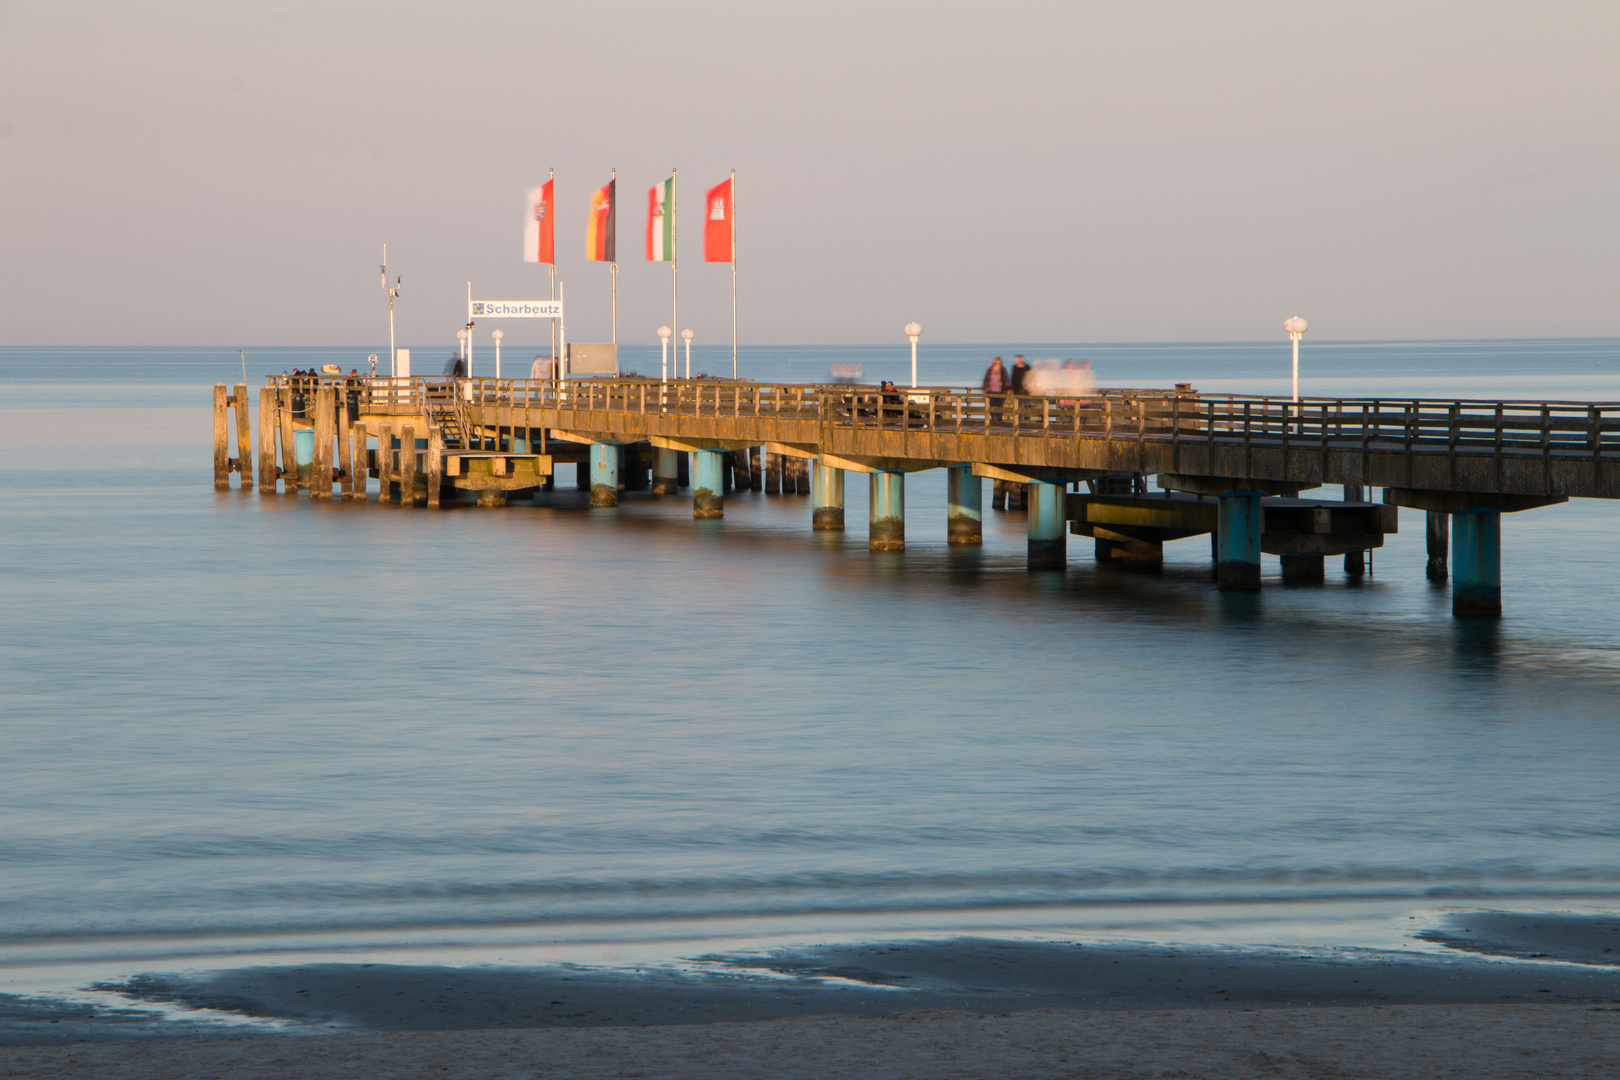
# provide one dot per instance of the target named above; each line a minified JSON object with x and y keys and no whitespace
{"x":226,"y":173}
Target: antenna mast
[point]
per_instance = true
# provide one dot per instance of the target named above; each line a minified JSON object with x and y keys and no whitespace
{"x":392,"y":291}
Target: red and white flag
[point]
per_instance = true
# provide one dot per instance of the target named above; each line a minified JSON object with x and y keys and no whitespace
{"x":719,"y":225}
{"x":538,"y":226}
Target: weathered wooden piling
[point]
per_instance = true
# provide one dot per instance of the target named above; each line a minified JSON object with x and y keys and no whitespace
{"x":827,"y":498}
{"x":1438,"y":540}
{"x":773,"y":473}
{"x":222,"y":457}
{"x":964,"y":506}
{"x":708,"y":498}
{"x":325,"y":427}
{"x":344,"y":451}
{"x":267,"y":441}
{"x":1238,"y":535}
{"x":887,"y":515}
{"x":289,"y":455}
{"x":435,"y":465}
{"x":244,"y":437}
{"x":1355,"y":562}
{"x":407,"y":465}
{"x":362,"y":467}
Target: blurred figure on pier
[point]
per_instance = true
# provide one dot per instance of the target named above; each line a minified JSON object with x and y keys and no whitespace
{"x":995,"y":384}
{"x":846,"y":374}
{"x":1069,"y":381}
{"x":1020,"y":375}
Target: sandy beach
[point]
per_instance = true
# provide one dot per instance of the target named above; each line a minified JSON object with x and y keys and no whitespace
{"x":1481,"y":1042}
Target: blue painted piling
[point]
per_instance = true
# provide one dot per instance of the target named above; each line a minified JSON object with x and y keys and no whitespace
{"x":604,"y":474}
{"x":1476,"y":564}
{"x":888,"y":512}
{"x":708,"y":497}
{"x":964,"y":509}
{"x":827,"y":497}
{"x":1237,"y":566}
{"x":666,"y":473}
{"x":1048,"y":529}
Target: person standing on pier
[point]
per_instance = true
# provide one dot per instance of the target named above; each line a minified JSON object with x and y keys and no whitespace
{"x":995,"y":383}
{"x":1020,"y":375}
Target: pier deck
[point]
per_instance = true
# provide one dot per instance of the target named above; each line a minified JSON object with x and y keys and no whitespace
{"x":1218,"y":457}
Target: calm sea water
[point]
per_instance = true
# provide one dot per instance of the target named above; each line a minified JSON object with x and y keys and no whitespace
{"x":239,"y":725}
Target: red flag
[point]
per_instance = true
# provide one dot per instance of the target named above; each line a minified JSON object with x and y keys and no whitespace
{"x":599,"y":231}
{"x":538,"y":225}
{"x":719,"y":230}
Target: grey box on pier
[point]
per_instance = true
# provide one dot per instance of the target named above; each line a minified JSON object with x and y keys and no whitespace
{"x":593,"y":359}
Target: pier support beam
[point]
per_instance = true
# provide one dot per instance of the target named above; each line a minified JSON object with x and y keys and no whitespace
{"x":827,"y":496}
{"x":1304,"y":569}
{"x":708,"y":496}
{"x":1438,"y":541}
{"x":1237,"y":567}
{"x":244,"y":437}
{"x":1048,"y":531}
{"x":1355,"y":562}
{"x":888,"y":511}
{"x":435,"y":466}
{"x":362,"y":468}
{"x":1476,"y":558}
{"x":407,"y":465}
{"x":222,"y":458}
{"x":666,"y":473}
{"x":604,"y":474}
{"x":964,"y":506}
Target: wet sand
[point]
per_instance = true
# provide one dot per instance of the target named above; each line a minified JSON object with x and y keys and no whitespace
{"x":966,"y":1007}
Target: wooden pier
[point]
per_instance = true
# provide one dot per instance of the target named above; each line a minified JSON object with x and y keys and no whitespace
{"x":1229,"y":466}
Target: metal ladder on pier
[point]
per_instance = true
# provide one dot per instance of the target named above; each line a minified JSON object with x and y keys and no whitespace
{"x":447,"y":410}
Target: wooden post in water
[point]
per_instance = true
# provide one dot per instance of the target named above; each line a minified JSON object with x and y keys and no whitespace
{"x":289,"y":463}
{"x":222,"y":459}
{"x":267,"y":441}
{"x":385,"y":463}
{"x":407,"y":465}
{"x":435,"y":465}
{"x":244,"y":438}
{"x":358,"y":490}
{"x":321,"y":468}
{"x":773,"y":474}
{"x":1438,"y":537}
{"x":345,"y":459}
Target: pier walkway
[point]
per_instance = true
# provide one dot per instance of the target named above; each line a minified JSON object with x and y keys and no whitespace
{"x":1230,"y":466}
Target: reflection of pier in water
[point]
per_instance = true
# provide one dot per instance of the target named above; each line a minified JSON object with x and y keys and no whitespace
{"x":1230,"y":467}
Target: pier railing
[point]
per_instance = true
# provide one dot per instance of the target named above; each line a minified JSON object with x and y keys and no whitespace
{"x":1549,"y":428}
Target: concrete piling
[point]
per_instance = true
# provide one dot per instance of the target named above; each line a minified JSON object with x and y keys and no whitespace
{"x":1476,"y":564}
{"x":1237,"y":567}
{"x":666,"y":473}
{"x":435,"y":466}
{"x":362,"y":467}
{"x":1304,"y":569}
{"x":964,"y":506}
{"x":708,"y":498}
{"x":887,"y":529}
{"x":1048,"y":530}
{"x":827,"y":497}
{"x":407,"y":466}
{"x":1438,"y":540}
{"x":1355,"y":562}
{"x":604,"y":474}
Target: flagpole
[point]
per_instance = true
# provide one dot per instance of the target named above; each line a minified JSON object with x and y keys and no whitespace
{"x":613,"y":267}
{"x":675,"y":266}
{"x":733,"y":273}
{"x":553,"y":267}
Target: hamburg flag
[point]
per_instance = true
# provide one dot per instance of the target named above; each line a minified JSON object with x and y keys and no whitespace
{"x":661,"y":222}
{"x":537,"y":224}
{"x":599,"y":239}
{"x":719,"y":231}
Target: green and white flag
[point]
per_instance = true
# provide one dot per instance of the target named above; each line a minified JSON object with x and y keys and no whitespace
{"x":661,"y":222}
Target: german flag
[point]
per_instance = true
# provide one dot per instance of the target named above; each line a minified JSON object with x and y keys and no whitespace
{"x":599,"y":245}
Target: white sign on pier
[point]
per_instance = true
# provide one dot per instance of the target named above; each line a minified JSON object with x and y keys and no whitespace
{"x":514,"y":309}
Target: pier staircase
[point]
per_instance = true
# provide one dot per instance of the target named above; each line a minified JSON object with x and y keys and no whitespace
{"x":446,"y":409}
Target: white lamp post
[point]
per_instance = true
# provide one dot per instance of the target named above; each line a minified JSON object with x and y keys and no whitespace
{"x":913,"y":331}
{"x":1296,"y":328}
{"x":497,"y":335}
{"x":461,"y":336}
{"x":686,"y":336}
{"x":664,"y":334}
